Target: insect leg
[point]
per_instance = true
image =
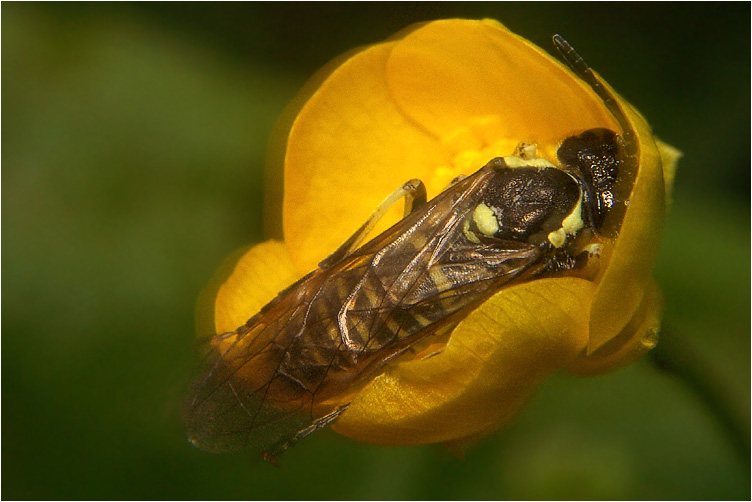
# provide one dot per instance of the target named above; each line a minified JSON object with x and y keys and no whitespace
{"x":319,"y":423}
{"x":414,"y":192}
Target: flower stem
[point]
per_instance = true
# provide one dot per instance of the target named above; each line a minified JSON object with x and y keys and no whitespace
{"x":676,"y":357}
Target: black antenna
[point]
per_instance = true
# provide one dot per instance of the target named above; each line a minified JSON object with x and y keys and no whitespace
{"x":581,"y":68}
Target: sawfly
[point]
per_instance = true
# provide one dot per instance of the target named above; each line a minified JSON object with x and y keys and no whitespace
{"x":294,"y":366}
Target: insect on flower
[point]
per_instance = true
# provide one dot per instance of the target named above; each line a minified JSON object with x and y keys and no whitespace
{"x":295,"y":366}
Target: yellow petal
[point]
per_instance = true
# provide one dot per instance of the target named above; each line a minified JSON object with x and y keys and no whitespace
{"x":638,"y":337}
{"x":670,"y":157}
{"x":630,"y":266}
{"x":494,"y":360}
{"x":348,"y":149}
{"x":449,"y":73}
{"x":246,"y":281}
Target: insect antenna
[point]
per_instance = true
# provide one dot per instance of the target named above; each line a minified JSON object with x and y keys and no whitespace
{"x":581,"y":68}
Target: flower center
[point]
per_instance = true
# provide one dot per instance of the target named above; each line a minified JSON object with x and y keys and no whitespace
{"x":470,"y":147}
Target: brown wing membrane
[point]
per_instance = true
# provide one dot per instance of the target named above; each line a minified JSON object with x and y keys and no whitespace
{"x":468,"y":275}
{"x":244,"y":400}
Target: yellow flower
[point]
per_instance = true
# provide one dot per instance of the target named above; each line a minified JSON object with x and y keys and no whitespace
{"x":438,"y":100}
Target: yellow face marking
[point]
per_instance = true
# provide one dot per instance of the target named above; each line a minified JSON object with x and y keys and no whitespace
{"x":485,"y":220}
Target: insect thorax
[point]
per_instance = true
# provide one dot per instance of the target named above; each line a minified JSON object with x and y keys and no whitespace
{"x":529,"y":203}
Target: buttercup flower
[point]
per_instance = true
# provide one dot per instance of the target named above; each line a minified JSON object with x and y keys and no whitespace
{"x":435,"y":101}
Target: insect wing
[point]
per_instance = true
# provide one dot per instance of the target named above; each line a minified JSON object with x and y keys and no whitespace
{"x":468,"y":275}
{"x":231,"y":406}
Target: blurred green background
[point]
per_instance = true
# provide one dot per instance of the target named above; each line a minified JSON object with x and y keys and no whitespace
{"x":133,"y":141}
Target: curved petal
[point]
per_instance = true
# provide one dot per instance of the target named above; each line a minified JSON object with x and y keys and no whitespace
{"x":248,"y":280}
{"x":348,"y":149}
{"x":494,"y":360}
{"x":454,"y":72}
{"x":638,"y":337}
{"x":630,"y":266}
{"x":670,"y":157}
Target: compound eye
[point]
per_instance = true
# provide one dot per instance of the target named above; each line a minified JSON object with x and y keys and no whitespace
{"x":594,"y":147}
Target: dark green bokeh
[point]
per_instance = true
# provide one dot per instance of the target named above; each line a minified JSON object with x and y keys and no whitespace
{"x":133,"y":141}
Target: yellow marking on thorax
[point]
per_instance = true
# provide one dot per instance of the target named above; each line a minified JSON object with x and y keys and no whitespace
{"x":485,"y":220}
{"x":515,"y":162}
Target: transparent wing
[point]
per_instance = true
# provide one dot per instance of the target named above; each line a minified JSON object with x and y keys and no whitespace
{"x":244,"y":400}
{"x":467,"y":275}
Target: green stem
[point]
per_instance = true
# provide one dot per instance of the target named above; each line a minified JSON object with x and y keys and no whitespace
{"x":676,"y":357}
